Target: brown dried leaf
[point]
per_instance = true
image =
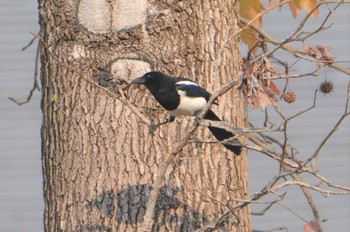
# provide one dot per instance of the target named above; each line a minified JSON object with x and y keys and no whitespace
{"x":320,"y":52}
{"x":272,"y":3}
{"x":312,"y":226}
{"x":295,"y":10}
{"x":308,"y":5}
{"x":249,"y":9}
{"x":274,"y":88}
{"x":298,"y":3}
{"x":264,"y":100}
{"x":256,"y":87}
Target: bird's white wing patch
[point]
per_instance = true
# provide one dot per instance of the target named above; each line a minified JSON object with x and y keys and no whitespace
{"x":186,"y":83}
{"x":183,"y":92}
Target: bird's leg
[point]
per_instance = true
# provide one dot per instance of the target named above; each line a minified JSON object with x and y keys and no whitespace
{"x":153,"y":127}
{"x":196,"y":118}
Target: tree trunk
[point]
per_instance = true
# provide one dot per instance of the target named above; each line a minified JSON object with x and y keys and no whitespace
{"x":99,"y":160}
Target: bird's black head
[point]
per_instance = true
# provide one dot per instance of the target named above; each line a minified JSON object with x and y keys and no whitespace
{"x":154,"y":81}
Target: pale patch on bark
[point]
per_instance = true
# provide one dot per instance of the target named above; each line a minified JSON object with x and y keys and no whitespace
{"x":95,"y":15}
{"x":128,"y":14}
{"x":101,"y":16}
{"x":78,"y":52}
{"x":130,"y":68}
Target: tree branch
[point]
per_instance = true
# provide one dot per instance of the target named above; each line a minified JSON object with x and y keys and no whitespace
{"x":35,"y":81}
{"x":296,"y":52}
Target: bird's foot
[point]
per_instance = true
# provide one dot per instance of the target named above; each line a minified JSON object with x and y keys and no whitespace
{"x":197,"y":119}
{"x":152,"y":128}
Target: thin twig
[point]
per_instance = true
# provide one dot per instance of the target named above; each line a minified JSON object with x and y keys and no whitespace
{"x":29,"y":44}
{"x":325,"y":192}
{"x":334,"y":129}
{"x":308,"y":197}
{"x":252,"y":21}
{"x":29,"y":97}
{"x":300,"y":27}
{"x":35,"y":82}
{"x":296,"y":52}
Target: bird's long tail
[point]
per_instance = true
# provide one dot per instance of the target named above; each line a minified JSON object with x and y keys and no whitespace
{"x":222,"y":134}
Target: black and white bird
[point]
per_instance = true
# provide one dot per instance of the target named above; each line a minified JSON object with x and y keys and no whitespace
{"x":180,"y":96}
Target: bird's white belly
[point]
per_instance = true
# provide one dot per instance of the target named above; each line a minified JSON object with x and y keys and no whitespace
{"x":189,"y":106}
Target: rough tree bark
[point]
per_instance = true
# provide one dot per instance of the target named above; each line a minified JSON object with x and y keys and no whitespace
{"x":99,"y":160}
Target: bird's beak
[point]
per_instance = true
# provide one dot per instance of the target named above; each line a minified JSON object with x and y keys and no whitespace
{"x":139,"y":81}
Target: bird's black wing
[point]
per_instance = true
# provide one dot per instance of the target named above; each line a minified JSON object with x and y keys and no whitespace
{"x":192,"y":90}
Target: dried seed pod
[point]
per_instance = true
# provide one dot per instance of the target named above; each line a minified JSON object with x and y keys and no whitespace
{"x":289,"y":97}
{"x":326,"y":87}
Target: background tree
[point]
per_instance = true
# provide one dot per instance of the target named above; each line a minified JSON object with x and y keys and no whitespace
{"x":100,"y":162}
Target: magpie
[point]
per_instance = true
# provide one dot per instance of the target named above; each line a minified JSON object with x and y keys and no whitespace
{"x":180,"y":96}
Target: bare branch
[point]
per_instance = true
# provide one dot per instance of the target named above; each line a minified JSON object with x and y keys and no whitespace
{"x":251,"y":22}
{"x":272,"y":230}
{"x":309,"y":198}
{"x":334,"y":129}
{"x":325,"y":193}
{"x":296,"y":52}
{"x":29,"y":44}
{"x":35,"y":82}
{"x":292,"y":76}
{"x":300,"y":27}
{"x":29,"y":97}
{"x":269,"y":205}
{"x":306,"y":110}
